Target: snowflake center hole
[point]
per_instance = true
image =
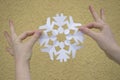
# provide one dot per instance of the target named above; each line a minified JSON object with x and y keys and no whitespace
{"x":61,"y":37}
{"x":65,"y":27}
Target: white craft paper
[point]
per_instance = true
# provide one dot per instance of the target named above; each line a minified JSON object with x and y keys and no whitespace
{"x":60,"y":21}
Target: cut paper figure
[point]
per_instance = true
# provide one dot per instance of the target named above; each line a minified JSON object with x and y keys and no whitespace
{"x":52,"y":29}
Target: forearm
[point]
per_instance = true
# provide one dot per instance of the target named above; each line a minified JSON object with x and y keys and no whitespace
{"x":114,"y":53}
{"x":22,"y":70}
{"x":21,"y":51}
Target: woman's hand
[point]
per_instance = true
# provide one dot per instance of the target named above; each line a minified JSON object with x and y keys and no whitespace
{"x":21,"y":51}
{"x":104,"y":37}
{"x":18,"y":49}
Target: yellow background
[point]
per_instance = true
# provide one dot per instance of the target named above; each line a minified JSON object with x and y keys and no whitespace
{"x":90,"y":63}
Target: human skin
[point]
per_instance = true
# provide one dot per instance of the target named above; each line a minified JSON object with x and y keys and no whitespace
{"x":104,"y":37}
{"x":21,"y":51}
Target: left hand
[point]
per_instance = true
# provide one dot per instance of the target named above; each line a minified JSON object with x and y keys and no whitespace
{"x":19,"y":50}
{"x":104,"y":37}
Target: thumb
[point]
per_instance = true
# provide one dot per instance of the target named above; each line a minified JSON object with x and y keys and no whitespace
{"x":88,"y":32}
{"x":35,"y":37}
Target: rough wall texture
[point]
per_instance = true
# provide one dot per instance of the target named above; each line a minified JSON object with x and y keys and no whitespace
{"x":90,"y":63}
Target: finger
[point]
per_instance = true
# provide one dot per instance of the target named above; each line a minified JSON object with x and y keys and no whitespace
{"x":89,"y":32}
{"x":25,"y":35}
{"x":9,"y":50}
{"x":94,"y":14}
{"x":102,"y":15}
{"x":8,"y":38}
{"x":94,"y":25}
{"x":34,"y":38}
{"x":13,"y":33}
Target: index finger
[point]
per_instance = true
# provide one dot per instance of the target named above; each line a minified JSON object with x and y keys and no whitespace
{"x":94,"y":14}
{"x":13,"y":33}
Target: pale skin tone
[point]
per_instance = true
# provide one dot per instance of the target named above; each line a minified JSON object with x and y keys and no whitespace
{"x":104,"y":37}
{"x":22,"y":52}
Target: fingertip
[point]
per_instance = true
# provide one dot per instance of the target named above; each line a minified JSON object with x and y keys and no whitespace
{"x":90,"y":7}
{"x":81,"y":28}
{"x":84,"y":30}
{"x":38,"y":32}
{"x":41,"y":30}
{"x":10,"y":22}
{"x":5,"y":32}
{"x":102,"y":10}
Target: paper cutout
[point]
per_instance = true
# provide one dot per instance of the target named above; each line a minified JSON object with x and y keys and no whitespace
{"x":60,"y":21}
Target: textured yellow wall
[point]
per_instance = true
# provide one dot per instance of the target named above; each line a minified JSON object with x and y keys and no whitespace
{"x":90,"y":62}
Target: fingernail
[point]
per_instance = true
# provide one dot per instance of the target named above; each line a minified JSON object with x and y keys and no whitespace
{"x":10,"y":21}
{"x":90,"y":6}
{"x":81,"y":28}
{"x":38,"y":32}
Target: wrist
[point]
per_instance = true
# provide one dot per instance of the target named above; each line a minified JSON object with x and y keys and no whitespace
{"x":112,"y":49}
{"x":115,"y":47}
{"x":21,"y":58}
{"x":21,"y":61}
{"x":22,"y":69}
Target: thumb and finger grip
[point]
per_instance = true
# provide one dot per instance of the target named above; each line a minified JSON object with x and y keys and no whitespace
{"x":94,"y":25}
{"x":88,"y":32}
{"x":34,"y":38}
{"x":25,"y":35}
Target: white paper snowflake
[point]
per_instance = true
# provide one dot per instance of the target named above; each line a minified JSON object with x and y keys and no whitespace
{"x":60,"y":21}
